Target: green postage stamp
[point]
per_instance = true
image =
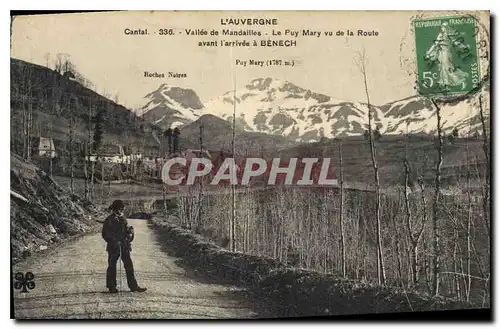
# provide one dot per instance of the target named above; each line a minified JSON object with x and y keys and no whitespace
{"x":447,"y":60}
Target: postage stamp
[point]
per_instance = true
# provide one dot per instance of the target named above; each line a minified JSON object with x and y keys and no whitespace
{"x":447,"y":60}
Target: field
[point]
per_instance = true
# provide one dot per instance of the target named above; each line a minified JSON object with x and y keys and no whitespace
{"x":334,"y":231}
{"x":390,"y":153}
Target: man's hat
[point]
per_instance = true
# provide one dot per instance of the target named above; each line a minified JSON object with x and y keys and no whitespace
{"x":117,"y":205}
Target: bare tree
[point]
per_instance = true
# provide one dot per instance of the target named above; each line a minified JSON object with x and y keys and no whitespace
{"x":58,"y":65}
{"x":47,"y":59}
{"x":87,"y":161}
{"x":200,"y":196}
{"x":486,"y":151}
{"x":232,"y":225}
{"x":413,"y":235}
{"x":30,"y":117}
{"x":68,"y":66}
{"x":435,"y":207}
{"x":57,"y":110}
{"x":380,"y":255}
{"x":62,"y":63}
{"x":469,"y":222}
{"x":70,"y":141}
{"x":341,"y":216}
{"x":27,"y":106}
{"x":486,"y":189}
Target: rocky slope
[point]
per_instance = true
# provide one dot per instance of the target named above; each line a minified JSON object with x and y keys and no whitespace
{"x":41,"y":212}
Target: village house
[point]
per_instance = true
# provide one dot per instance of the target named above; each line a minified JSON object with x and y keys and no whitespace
{"x":114,"y":154}
{"x":43,"y":147}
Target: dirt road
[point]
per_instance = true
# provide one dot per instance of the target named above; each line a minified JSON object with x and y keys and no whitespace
{"x":70,"y":283}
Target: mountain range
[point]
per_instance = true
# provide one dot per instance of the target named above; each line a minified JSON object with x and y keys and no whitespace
{"x":281,"y":108}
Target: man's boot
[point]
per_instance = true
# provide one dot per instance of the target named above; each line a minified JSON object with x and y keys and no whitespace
{"x":138,"y":289}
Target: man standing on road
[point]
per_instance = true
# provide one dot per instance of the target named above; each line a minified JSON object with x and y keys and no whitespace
{"x":119,"y":236}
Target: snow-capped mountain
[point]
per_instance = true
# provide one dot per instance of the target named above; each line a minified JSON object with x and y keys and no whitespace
{"x":170,"y":106}
{"x":278,"y":107}
{"x":281,"y":108}
{"x":418,"y":115}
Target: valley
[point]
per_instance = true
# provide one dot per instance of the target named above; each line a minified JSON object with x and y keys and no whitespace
{"x":257,"y":164}
{"x":331,"y":231}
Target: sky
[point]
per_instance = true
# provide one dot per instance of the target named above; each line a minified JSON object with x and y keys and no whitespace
{"x":115,"y":62}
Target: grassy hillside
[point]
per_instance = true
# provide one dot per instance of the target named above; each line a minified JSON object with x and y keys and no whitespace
{"x":390,"y":152}
{"x":217,"y":136}
{"x":53,"y":99}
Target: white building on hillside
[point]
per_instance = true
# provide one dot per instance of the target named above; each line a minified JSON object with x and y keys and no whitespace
{"x":44,"y":147}
{"x":117,"y":156}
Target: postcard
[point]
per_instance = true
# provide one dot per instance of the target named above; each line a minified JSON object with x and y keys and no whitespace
{"x":250,"y":165}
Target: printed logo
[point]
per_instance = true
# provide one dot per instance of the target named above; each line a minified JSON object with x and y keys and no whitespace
{"x":24,"y":282}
